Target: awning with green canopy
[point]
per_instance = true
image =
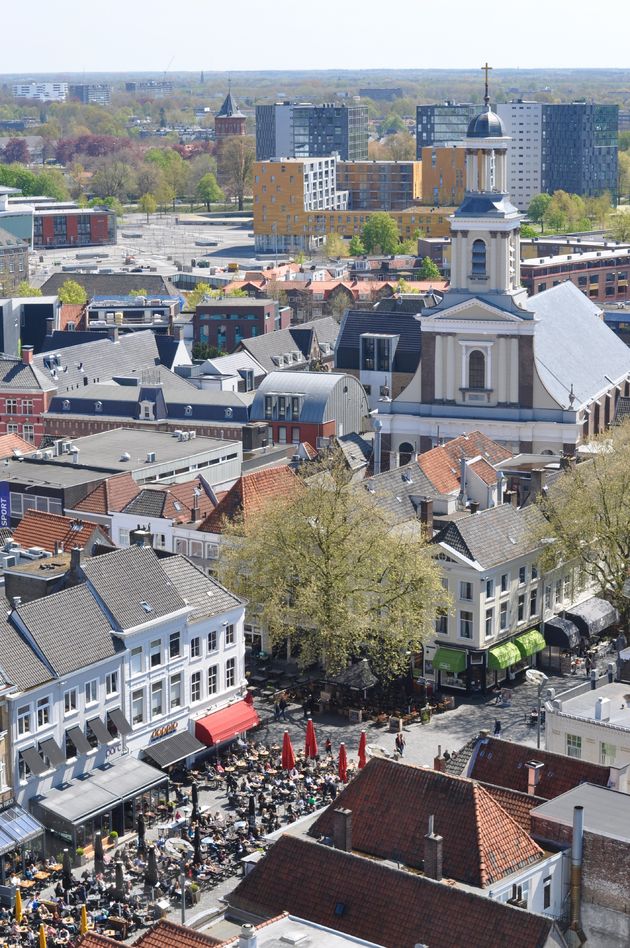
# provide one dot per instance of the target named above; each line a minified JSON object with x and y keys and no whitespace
{"x":529,"y":643}
{"x":502,"y":656}
{"x":450,"y":660}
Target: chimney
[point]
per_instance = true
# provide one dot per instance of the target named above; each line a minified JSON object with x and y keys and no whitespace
{"x":433,"y":845}
{"x":342,"y":829}
{"x":112,"y":332}
{"x":50,"y":325}
{"x":610,"y":671}
{"x":511,"y":497}
{"x":439,"y":762}
{"x":178,"y":333}
{"x":577,"y":845}
{"x":462,"y":478}
{"x":76,"y":555}
{"x":17,"y":602}
{"x":426,"y":516}
{"x":248,"y":937}
{"x":534,"y":770}
{"x":602,"y":709}
{"x":536,"y":481}
{"x":195,"y":512}
{"x":27,"y":355}
{"x":474,"y":506}
{"x":58,"y":547}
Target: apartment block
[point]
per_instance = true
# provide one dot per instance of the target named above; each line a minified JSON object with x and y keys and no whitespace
{"x":380,"y":185}
{"x":297,"y":204}
{"x":523,"y":124}
{"x":442,"y":124}
{"x":91,"y":93}
{"x":41,"y":91}
{"x":288,"y":130}
{"x":579,"y":148}
{"x":443,"y":174}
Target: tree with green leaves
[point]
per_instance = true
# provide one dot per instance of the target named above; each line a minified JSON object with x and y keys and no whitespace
{"x":72,"y":292}
{"x":380,"y":234}
{"x":24,"y":288}
{"x":619,"y":225}
{"x":201,"y":350}
{"x":538,"y":208}
{"x":197,"y":296}
{"x":324,"y":567}
{"x":209,"y":191}
{"x":587,"y":513}
{"x":148,"y":205}
{"x":527,"y":231}
{"x":429,"y":270}
{"x":335,"y":246}
{"x":356,"y":247}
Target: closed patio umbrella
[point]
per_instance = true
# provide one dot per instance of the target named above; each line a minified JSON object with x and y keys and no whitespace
{"x":194,"y":793}
{"x":197,"y":857}
{"x":288,"y":756}
{"x":362,"y":750}
{"x":84,"y":920}
{"x":141,"y":828}
{"x":18,"y":911}
{"x":310,"y":744}
{"x":151,"y":872}
{"x":66,"y":874}
{"x":343,"y":763}
{"x":251,"y":815}
{"x":99,"y":855}
{"x":42,"y":936}
{"x":119,"y":884}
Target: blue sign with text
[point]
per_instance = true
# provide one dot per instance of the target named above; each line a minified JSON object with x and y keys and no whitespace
{"x":5,"y":511}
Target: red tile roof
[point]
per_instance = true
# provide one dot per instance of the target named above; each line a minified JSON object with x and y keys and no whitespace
{"x":387,"y":906}
{"x":12,"y":442}
{"x":442,"y":464}
{"x":72,"y":313}
{"x":170,"y":935}
{"x":44,"y":529}
{"x":518,"y":805}
{"x":250,"y":494}
{"x":503,"y":763}
{"x":391,"y":804}
{"x":484,"y":470}
{"x":112,"y":495}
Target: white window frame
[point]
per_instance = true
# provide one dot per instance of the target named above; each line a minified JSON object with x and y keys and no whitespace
{"x":230,"y":635}
{"x":213,"y":641}
{"x":137,"y":659}
{"x":155,"y":651}
{"x":70,"y":701}
{"x":111,"y":683}
{"x":195,"y":647}
{"x":43,"y":712}
{"x":137,"y":696}
{"x":91,"y":692}
{"x":196,"y":688}
{"x":213,"y":680}
{"x":176,"y":692}
{"x":157,"y":688}
{"x":230,"y":673}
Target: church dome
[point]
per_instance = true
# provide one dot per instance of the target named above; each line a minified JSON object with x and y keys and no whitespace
{"x":486,"y":125}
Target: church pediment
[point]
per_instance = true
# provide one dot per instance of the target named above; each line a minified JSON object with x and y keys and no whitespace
{"x":474,"y":309}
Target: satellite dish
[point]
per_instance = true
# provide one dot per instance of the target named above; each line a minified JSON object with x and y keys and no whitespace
{"x":535,"y":676}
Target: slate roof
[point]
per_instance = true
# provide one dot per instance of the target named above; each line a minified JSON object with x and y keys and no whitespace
{"x":573,"y":346}
{"x":442,"y":464}
{"x":16,"y":375}
{"x":112,"y":284}
{"x":482,"y":843}
{"x":398,"y":491}
{"x":112,"y":495}
{"x":249,"y":495}
{"x":378,"y":903}
{"x":206,"y":595}
{"x":70,"y":629}
{"x":503,"y":764}
{"x":497,"y":535}
{"x":44,"y":529}
{"x":356,"y":449}
{"x":264,"y":348}
{"x":356,"y":322}
{"x":18,"y":662}
{"x":124,"y":579}
{"x":12,"y":442}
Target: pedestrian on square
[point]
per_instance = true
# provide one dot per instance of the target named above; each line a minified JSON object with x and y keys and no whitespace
{"x":283,"y":708}
{"x":497,"y":728}
{"x":276,"y":711}
{"x":328,"y":746}
{"x":400,"y":743}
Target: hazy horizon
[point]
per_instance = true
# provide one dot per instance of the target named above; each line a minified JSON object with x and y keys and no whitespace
{"x":194,"y":35}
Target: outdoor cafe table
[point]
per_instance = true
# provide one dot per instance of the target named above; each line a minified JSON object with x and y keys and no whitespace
{"x":41,"y":876}
{"x":26,"y":883}
{"x":56,"y":867}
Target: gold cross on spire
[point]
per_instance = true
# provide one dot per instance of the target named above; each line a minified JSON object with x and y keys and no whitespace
{"x":486,"y":68}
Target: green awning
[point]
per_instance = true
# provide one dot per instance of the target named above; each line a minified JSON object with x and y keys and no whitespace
{"x":450,"y":660}
{"x":502,"y":656}
{"x":529,"y":643}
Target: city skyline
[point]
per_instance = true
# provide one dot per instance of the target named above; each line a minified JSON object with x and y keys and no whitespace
{"x":148,"y":38}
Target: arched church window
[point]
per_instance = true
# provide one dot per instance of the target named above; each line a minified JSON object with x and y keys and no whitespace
{"x":479,"y":258}
{"x":476,"y":370}
{"x":405,"y":453}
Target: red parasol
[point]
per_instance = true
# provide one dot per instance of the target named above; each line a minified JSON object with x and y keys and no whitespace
{"x":310,"y":744}
{"x":343,"y":763}
{"x":288,"y":757}
{"x":362,"y":750}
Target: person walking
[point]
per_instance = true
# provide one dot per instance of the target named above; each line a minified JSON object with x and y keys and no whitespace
{"x":400,"y":743}
{"x":328,"y":746}
{"x":283,"y":708}
{"x":497,"y":728}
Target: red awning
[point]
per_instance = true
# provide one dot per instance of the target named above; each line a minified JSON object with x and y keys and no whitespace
{"x":225,"y":724}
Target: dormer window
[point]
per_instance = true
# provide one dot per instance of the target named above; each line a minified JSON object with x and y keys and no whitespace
{"x":188,"y":410}
{"x":98,"y":406}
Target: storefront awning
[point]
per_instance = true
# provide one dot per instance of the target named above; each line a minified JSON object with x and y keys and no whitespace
{"x":502,"y":656}
{"x":98,"y":791}
{"x":529,"y":643}
{"x":562,"y":633}
{"x":173,"y":749}
{"x":33,"y":761}
{"x":17,"y":827}
{"x":100,"y":732}
{"x":120,"y":722}
{"x":593,"y":616}
{"x":53,"y":752}
{"x":79,"y":740}
{"x":450,"y":660}
{"x":225,"y":724}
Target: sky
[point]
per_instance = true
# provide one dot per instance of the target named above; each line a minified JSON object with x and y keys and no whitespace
{"x":182,"y":35}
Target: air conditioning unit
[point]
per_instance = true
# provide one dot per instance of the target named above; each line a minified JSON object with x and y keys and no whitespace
{"x":7,"y":560}
{"x":193,"y":434}
{"x":49,"y":454}
{"x":151,"y":457}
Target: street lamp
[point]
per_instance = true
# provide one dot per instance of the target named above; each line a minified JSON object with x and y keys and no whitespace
{"x":537,"y":678}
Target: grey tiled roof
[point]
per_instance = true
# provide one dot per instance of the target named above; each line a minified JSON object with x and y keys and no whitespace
{"x":19,"y":663}
{"x":148,"y":503}
{"x":70,"y":629}
{"x":357,"y":450}
{"x":207,"y":597}
{"x":493,"y":536}
{"x":264,"y":347}
{"x":15,"y":374}
{"x":112,"y":284}
{"x":398,"y":497}
{"x":125,"y":579}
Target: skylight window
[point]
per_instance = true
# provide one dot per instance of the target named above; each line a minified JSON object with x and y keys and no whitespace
{"x":146,"y":606}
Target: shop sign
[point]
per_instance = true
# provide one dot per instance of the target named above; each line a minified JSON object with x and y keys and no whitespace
{"x":113,"y":749}
{"x":163,"y":731}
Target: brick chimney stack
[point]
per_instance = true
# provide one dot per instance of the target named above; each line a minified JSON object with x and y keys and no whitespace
{"x":433,"y":845}
{"x":342,"y":829}
{"x":27,"y":355}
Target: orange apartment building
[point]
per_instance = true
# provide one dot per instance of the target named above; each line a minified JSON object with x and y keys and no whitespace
{"x":380,"y":185}
{"x":442,"y":176}
{"x":297,"y":203}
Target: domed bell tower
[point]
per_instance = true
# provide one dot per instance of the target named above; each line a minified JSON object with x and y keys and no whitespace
{"x":485,"y":253}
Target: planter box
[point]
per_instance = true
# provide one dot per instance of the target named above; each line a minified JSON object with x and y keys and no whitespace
{"x":395,"y":724}
{"x":355,"y":716}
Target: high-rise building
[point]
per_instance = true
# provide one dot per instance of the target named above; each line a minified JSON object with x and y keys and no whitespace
{"x":41,"y":91}
{"x":442,"y":124}
{"x":579,"y":148}
{"x":288,"y":130}
{"x":91,"y":93}
{"x":523,"y":123}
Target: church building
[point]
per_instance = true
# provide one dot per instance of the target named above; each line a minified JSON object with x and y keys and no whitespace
{"x":536,"y":374}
